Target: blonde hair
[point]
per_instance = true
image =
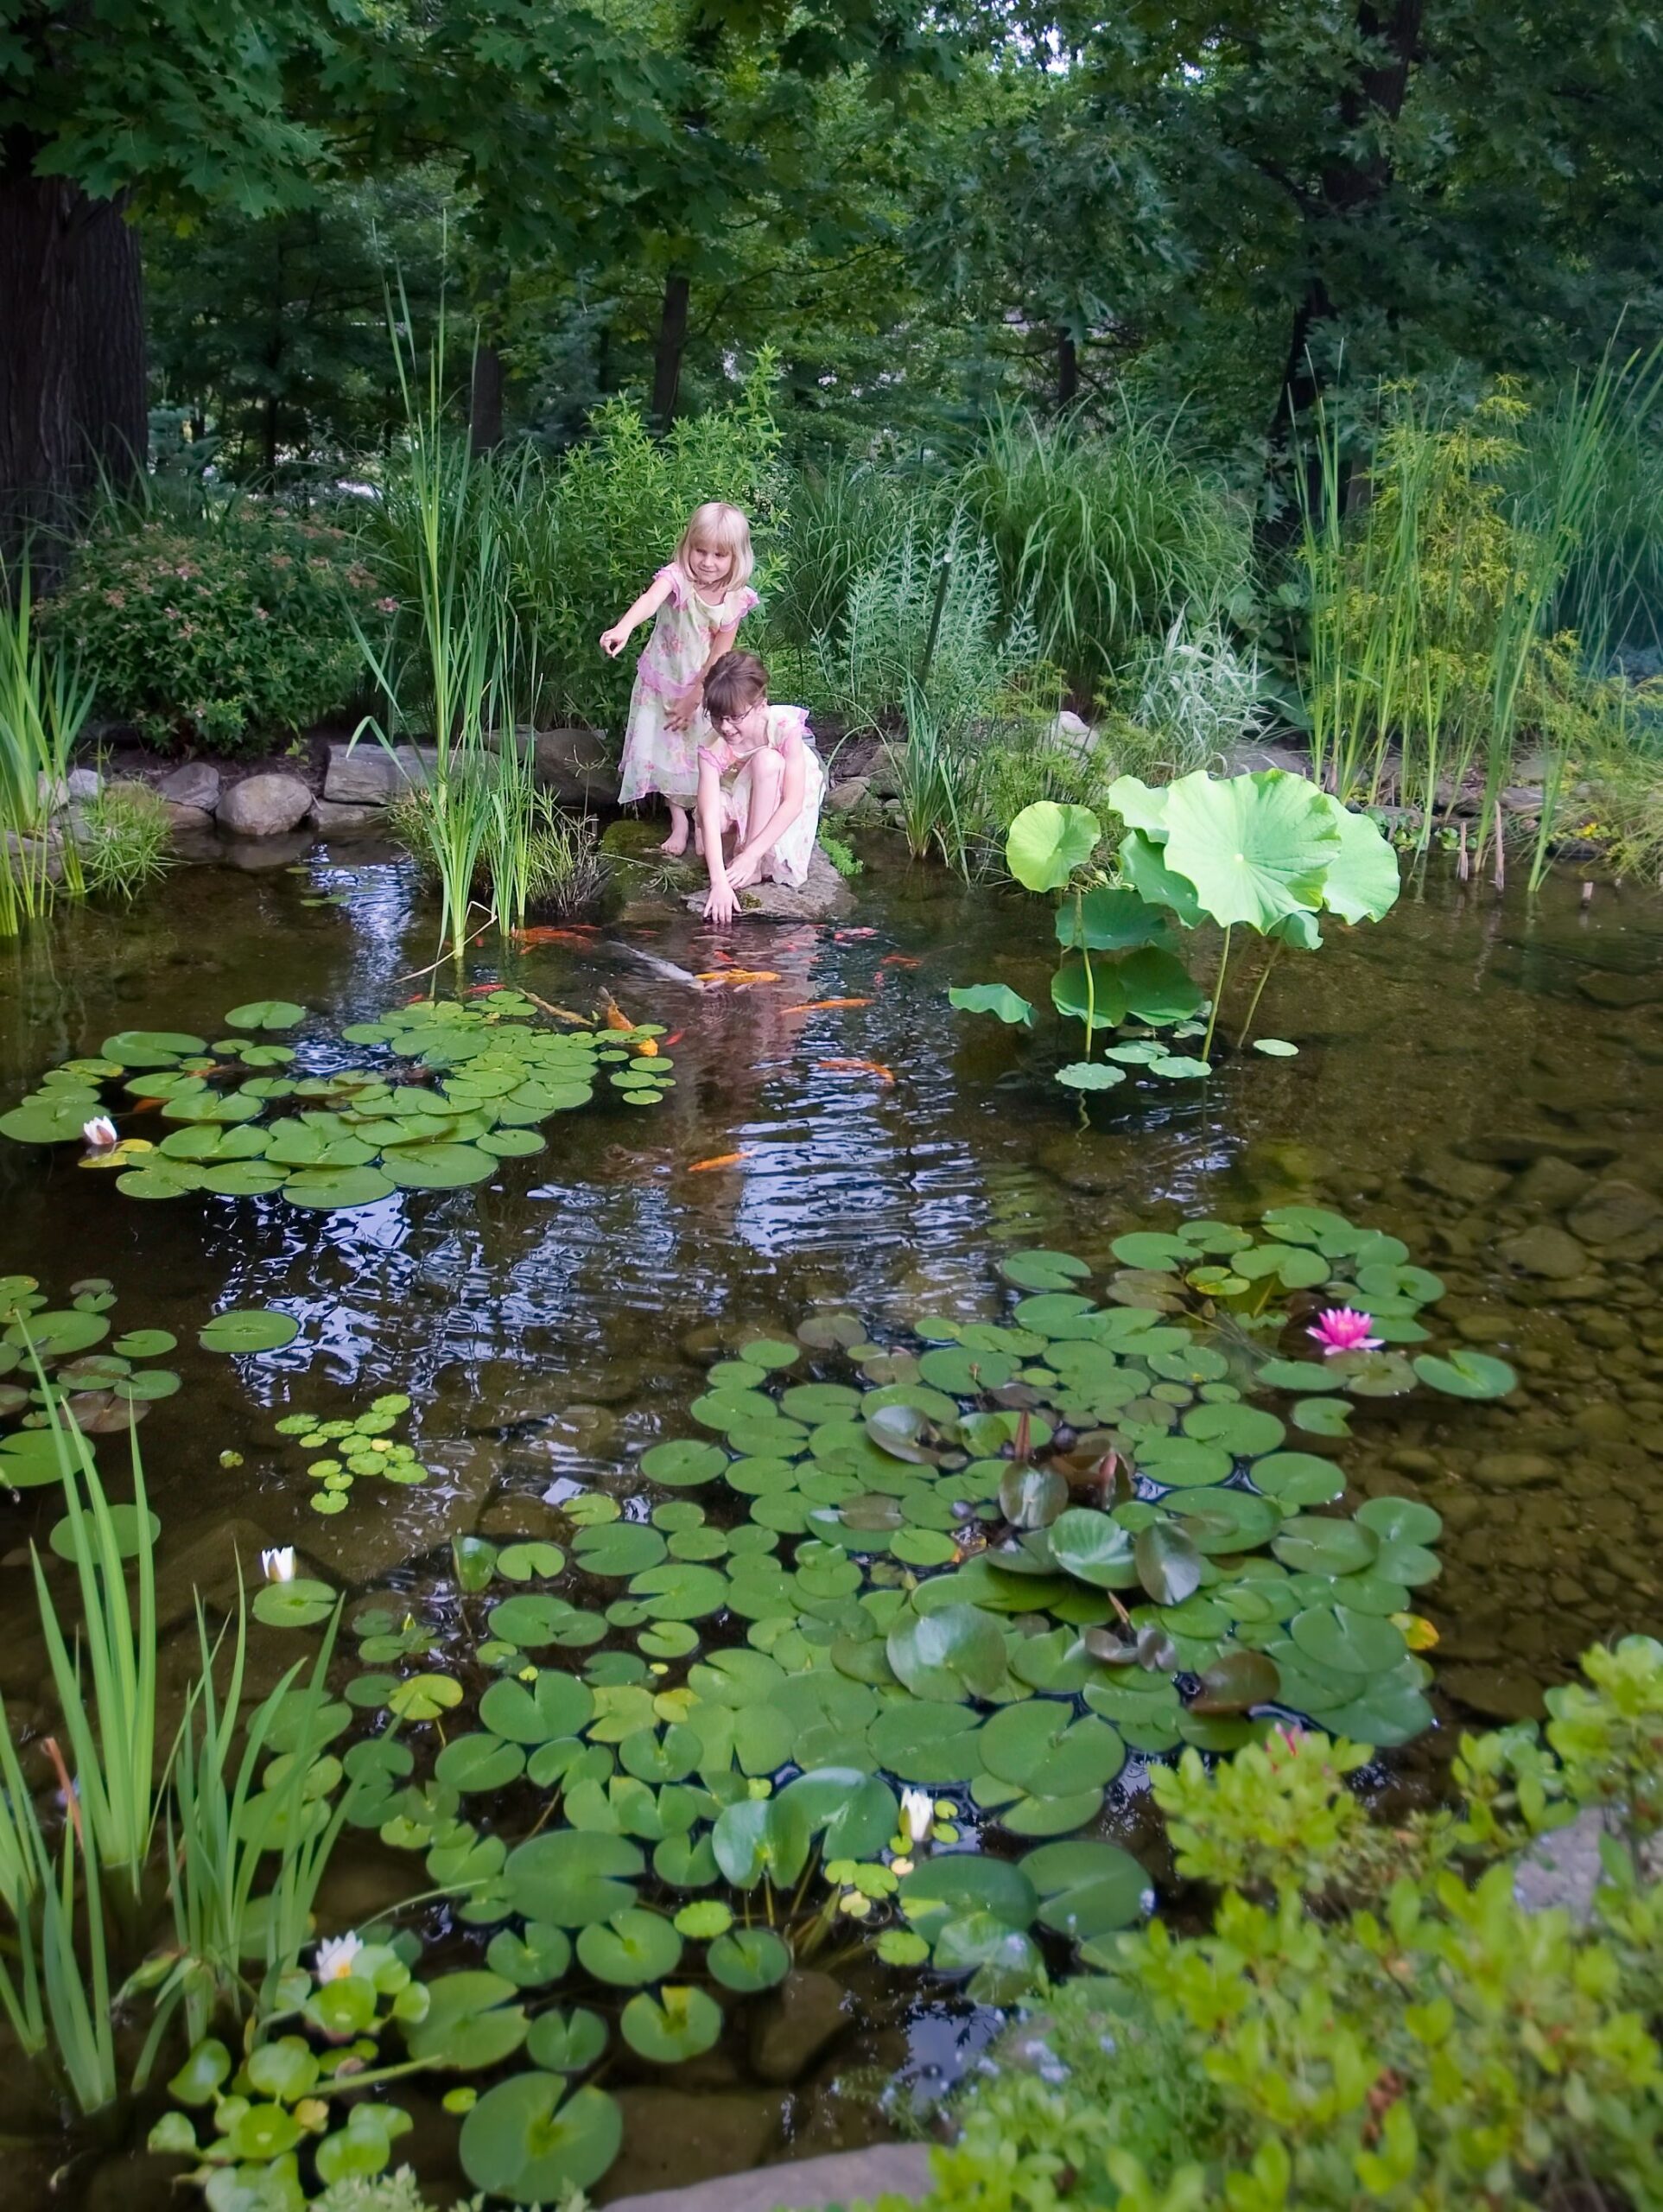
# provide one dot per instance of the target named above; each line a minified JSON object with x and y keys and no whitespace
{"x":726,"y":526}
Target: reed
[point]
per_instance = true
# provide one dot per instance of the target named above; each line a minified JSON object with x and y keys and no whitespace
{"x":45,"y":699}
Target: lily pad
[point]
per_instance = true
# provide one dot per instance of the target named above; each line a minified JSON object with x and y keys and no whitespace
{"x":679,"y":2023}
{"x":265,"y":1013}
{"x":528,"y":2141}
{"x":249,"y":1329}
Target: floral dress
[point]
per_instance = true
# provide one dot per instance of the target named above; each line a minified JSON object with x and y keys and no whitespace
{"x":787,"y":861}
{"x":655,"y":757}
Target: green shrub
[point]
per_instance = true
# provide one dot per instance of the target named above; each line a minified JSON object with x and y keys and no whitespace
{"x":1373,"y":2017}
{"x":223,"y":634}
{"x":587,"y":532}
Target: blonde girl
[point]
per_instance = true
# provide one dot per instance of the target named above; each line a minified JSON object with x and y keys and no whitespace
{"x":760,"y":781}
{"x":700,"y":599}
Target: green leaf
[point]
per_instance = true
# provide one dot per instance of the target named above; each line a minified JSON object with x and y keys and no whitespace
{"x":250,"y":1329}
{"x":1046,"y":842}
{"x":1110,"y":920}
{"x":954,"y":1653}
{"x":632,"y":1948}
{"x":678,"y":2024}
{"x":1169,"y":1566}
{"x":1090,"y":1075}
{"x":471,"y":2022}
{"x":1256,"y":848}
{"x":265,"y":1013}
{"x":749,"y":1959}
{"x":1362,"y":881}
{"x":526,"y":2140}
{"x":993,"y":998}
{"x":1467,"y":1375}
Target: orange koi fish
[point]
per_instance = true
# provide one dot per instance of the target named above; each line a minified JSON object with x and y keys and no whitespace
{"x":647,"y":1048}
{"x":612,"y":1013}
{"x":859,"y":1067}
{"x":851,"y":936}
{"x":673,"y":1040}
{"x":898,"y":960}
{"x":545,"y":933}
{"x":738,"y":978}
{"x":825,"y":1006}
{"x":721,"y":1160}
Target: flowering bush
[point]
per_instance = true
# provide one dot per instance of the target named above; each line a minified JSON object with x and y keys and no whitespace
{"x":220,"y":636}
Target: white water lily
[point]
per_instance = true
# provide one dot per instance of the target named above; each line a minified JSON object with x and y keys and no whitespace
{"x":100,"y":1133}
{"x":336,"y":1954}
{"x":279,"y":1565}
{"x":917,"y":1814}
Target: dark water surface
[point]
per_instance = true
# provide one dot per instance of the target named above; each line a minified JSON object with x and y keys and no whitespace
{"x":1483,"y":1078}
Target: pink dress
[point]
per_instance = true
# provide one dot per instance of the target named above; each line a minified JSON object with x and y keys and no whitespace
{"x":788,"y":862}
{"x":655,"y":757}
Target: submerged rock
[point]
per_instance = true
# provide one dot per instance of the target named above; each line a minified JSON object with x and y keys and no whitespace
{"x":333,"y":820}
{"x":672,"y":2139}
{"x":1544,"y":1250}
{"x":1494,"y":1693}
{"x":1613,"y":1211}
{"x":790,"y":2028}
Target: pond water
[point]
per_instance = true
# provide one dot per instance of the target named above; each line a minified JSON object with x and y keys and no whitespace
{"x":1481,"y":1077}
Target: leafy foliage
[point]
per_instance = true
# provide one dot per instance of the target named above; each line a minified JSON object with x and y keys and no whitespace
{"x":226,"y":634}
{"x":1374,"y":2015}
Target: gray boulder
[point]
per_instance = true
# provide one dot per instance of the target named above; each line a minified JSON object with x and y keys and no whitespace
{"x":334,"y":820}
{"x":367,"y":774}
{"x":265,"y":805}
{"x":578,"y":765}
{"x":195,"y":784}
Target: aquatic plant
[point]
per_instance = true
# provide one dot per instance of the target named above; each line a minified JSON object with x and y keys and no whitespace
{"x":460,"y":1087}
{"x":978,"y":1568}
{"x":44,"y":702}
{"x":1373,"y":2013}
{"x":1268,"y":851}
{"x":125,"y":839}
{"x":347,"y":1450}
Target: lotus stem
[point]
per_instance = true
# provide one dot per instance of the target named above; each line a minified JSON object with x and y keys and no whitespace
{"x":1085,"y":955}
{"x":1218,"y":994}
{"x":1253,"y":1005}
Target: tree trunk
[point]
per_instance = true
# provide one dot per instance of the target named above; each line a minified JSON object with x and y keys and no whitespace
{"x":1351,"y":189}
{"x":112,"y":414}
{"x":1067,"y":370}
{"x":72,"y":354}
{"x":672,"y":343}
{"x":484,"y":412}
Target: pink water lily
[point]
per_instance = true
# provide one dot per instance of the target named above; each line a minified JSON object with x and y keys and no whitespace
{"x":1342,"y":1328}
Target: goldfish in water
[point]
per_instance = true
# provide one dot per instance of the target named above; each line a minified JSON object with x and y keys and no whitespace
{"x":720,"y":1160}
{"x":851,"y":936}
{"x":737,"y":979}
{"x":545,"y":933}
{"x":859,"y":1067}
{"x":674,"y":1039}
{"x":647,"y":1048}
{"x":614,"y":1014}
{"x":824,"y":1006}
{"x":898,"y":960}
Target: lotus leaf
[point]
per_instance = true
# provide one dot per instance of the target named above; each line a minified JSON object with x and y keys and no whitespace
{"x":993,"y":998}
{"x":1046,"y":842}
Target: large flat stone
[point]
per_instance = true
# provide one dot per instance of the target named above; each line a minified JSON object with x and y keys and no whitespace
{"x":804,"y":2185}
{"x":824,"y":897}
{"x":367,"y":774}
{"x":331,"y":819}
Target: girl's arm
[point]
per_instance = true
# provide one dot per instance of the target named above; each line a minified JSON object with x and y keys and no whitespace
{"x":614,"y":641}
{"x":792,"y":786}
{"x":682,"y":713}
{"x":723,"y":903}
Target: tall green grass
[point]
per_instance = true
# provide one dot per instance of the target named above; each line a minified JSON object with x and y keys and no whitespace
{"x":1104,"y":535}
{"x":45,"y":699}
{"x":1434,"y":652}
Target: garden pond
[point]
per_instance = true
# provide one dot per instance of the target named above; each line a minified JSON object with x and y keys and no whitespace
{"x":811,"y":1422}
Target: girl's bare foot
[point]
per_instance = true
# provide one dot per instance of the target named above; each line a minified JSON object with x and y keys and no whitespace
{"x":676,"y":844}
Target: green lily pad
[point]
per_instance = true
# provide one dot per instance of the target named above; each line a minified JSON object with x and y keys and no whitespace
{"x":265,"y":1013}
{"x":678,"y":2024}
{"x":749,"y":1959}
{"x":567,"y":2043}
{"x":299,"y":1604}
{"x":472,"y":2021}
{"x":250,"y":1329}
{"x":528,"y":2141}
{"x":1466,"y":1375}
{"x":571,"y":1879}
{"x":684,"y":1463}
{"x":1086,"y":1889}
{"x":948,"y":1656}
{"x":632,"y":1948}
{"x":993,"y":998}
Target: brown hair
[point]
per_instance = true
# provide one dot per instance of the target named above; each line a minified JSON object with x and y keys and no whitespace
{"x":733,"y":687}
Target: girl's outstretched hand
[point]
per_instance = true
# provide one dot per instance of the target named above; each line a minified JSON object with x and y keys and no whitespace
{"x":683,"y":709}
{"x":614,"y":641}
{"x":723,"y":904}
